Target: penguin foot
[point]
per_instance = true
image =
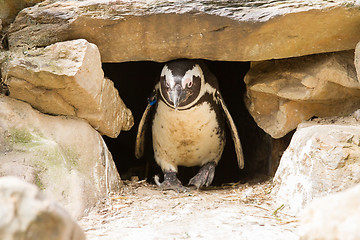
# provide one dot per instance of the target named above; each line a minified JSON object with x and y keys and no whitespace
{"x":205,"y":176}
{"x":171,"y":182}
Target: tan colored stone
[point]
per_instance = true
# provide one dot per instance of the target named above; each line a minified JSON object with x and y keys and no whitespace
{"x":66,"y":78}
{"x":9,"y":9}
{"x":283,"y":93}
{"x":45,"y":100}
{"x":236,"y":31}
{"x":357,"y":60}
{"x":333,"y":217}
{"x":322,"y":158}
{"x":65,"y":157}
{"x":27,"y":214}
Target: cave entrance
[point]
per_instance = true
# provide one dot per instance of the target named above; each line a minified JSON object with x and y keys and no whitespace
{"x":135,"y":81}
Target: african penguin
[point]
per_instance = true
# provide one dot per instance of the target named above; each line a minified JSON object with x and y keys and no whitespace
{"x":188,"y":123}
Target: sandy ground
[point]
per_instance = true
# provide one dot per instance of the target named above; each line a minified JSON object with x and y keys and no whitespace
{"x":142,"y":211}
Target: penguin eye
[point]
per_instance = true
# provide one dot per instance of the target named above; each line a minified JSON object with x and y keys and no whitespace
{"x":167,"y":84}
{"x":163,"y":80}
{"x":189,"y":84}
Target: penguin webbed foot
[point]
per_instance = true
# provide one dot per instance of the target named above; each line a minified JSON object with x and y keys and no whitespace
{"x":205,"y":176}
{"x":171,"y":182}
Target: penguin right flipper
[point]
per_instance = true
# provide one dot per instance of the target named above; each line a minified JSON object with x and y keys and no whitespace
{"x":143,"y":125}
{"x":233,"y":130}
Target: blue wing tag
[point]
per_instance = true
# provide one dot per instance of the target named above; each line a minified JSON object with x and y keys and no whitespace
{"x":152,"y":99}
{"x":152,"y":102}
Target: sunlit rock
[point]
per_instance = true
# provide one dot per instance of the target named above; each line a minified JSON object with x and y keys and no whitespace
{"x":66,"y":78}
{"x":65,"y":157}
{"x":322,"y":158}
{"x":27,"y":214}
{"x":214,"y":30}
{"x":283,"y":93}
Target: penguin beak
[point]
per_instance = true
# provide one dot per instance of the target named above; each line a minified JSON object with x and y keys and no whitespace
{"x":175,"y":95}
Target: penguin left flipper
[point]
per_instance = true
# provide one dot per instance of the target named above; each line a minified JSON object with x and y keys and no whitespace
{"x":233,"y":130}
{"x":140,"y":137}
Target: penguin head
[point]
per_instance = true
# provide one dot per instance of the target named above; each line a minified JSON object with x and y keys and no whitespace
{"x":180,"y":83}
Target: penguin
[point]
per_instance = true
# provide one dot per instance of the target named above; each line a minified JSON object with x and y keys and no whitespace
{"x":187,"y":115}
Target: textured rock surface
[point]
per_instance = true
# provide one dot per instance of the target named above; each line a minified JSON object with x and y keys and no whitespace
{"x":66,"y":78}
{"x":215,"y":30}
{"x":333,"y":217}
{"x":323,"y":157}
{"x":27,"y":214}
{"x":9,"y":9}
{"x":283,"y":93}
{"x":357,"y":60}
{"x":64,"y":157}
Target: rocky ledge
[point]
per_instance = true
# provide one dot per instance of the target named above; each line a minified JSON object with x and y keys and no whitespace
{"x":221,"y":30}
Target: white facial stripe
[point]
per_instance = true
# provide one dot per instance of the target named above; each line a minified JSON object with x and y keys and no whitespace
{"x":168,"y":76}
{"x":205,"y":87}
{"x":197,"y":71}
{"x":188,"y":77}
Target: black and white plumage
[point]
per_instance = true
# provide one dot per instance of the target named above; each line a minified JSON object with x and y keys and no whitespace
{"x":188,"y":123}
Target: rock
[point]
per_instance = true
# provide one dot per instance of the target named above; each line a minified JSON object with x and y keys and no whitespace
{"x":283,"y":93}
{"x":66,"y":78}
{"x":278,"y":147}
{"x":322,"y":158}
{"x":65,"y":157}
{"x":333,"y":217}
{"x":9,"y":9}
{"x":27,"y":214}
{"x":357,"y":60}
{"x":227,"y":31}
{"x":357,"y":115}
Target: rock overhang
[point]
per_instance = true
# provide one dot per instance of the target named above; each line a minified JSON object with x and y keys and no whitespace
{"x":224,"y":31}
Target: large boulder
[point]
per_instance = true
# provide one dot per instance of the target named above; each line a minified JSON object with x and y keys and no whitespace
{"x":216,"y":30}
{"x":27,"y":214}
{"x":322,"y":158}
{"x":66,"y":78}
{"x":9,"y":9}
{"x":65,"y":157}
{"x":333,"y":217}
{"x":283,"y":93}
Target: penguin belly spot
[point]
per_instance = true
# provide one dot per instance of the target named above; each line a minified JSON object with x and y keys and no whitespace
{"x":188,"y":138}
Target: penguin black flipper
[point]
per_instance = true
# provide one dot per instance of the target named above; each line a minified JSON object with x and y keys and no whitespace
{"x":233,"y":130}
{"x":140,"y":137}
{"x":143,"y":125}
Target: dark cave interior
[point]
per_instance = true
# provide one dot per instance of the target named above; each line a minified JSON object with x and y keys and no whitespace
{"x":135,"y":81}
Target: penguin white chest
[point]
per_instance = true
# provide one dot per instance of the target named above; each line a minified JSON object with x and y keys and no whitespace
{"x":190,"y":137}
